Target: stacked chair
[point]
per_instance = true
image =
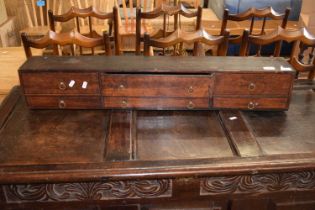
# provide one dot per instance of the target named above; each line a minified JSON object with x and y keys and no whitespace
{"x":149,"y":40}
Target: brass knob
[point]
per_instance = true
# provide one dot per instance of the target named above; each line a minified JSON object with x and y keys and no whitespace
{"x":62,"y":86}
{"x":121,"y":86}
{"x":62,"y":104}
{"x":190,"y":105}
{"x":251,"y":105}
{"x":190,"y":89}
{"x":124,"y":103}
{"x":251,"y":86}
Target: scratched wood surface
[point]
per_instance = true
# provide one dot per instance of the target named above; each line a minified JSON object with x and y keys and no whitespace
{"x":114,"y":143}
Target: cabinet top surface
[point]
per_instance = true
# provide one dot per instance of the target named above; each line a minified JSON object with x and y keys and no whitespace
{"x":157,"y":64}
{"x":50,"y":145}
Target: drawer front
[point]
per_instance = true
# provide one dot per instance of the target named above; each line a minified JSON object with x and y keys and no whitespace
{"x":55,"y":102}
{"x":253,"y":84}
{"x":156,"y":85}
{"x":60,"y":83}
{"x":156,"y":103}
{"x":251,"y":103}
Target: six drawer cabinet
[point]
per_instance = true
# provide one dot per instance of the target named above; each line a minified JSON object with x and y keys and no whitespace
{"x":156,"y":83}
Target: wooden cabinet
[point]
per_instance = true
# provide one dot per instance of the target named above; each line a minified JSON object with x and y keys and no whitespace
{"x":157,"y":83}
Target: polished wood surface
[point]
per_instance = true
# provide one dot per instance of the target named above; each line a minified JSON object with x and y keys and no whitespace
{"x":166,"y":11}
{"x":157,"y":83}
{"x":158,"y":159}
{"x":301,"y":40}
{"x":180,"y":37}
{"x":253,"y":13}
{"x":90,"y":13}
{"x":61,"y":39}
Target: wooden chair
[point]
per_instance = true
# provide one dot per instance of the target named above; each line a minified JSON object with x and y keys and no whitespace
{"x":89,"y":13}
{"x":301,"y":40}
{"x":196,"y":37}
{"x":37,"y":16}
{"x":165,"y":10}
{"x":62,"y":39}
{"x":126,"y":20}
{"x":252,"y":14}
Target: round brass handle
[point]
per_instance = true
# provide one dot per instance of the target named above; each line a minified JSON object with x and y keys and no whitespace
{"x":251,"y":105}
{"x":190,"y":105}
{"x":121,"y":86}
{"x":62,"y":104}
{"x":190,"y":89}
{"x":62,"y":86}
{"x":251,"y":86}
{"x":124,"y":103}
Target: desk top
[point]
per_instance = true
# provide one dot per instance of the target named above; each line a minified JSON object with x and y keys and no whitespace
{"x":157,"y":64}
{"x":89,"y":145}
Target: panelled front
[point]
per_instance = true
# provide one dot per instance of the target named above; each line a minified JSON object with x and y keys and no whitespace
{"x":156,"y":91}
{"x":253,"y":91}
{"x":64,"y":102}
{"x":60,"y":83}
{"x":93,"y":90}
{"x":61,"y":90}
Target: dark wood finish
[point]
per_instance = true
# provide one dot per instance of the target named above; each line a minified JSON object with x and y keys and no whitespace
{"x":157,"y":83}
{"x":64,"y":102}
{"x":90,"y":12}
{"x":130,"y":85}
{"x":251,"y":84}
{"x":96,"y":159}
{"x":67,"y":38}
{"x":250,"y":103}
{"x":196,"y":38}
{"x":253,"y":13}
{"x":35,"y":83}
{"x":238,"y":130}
{"x":165,"y":10}
{"x":299,"y":38}
{"x":155,"y":103}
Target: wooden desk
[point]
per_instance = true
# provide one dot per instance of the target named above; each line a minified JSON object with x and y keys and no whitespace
{"x":95,"y":159}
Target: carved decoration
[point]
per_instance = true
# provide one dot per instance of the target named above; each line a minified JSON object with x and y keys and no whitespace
{"x":88,"y":191}
{"x":261,"y":183}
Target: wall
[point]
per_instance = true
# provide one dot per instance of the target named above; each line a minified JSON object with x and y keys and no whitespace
{"x":237,"y":6}
{"x":3,"y":12}
{"x":307,"y":18}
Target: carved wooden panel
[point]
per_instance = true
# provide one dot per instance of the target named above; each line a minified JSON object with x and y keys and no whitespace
{"x":260,"y":183}
{"x":88,"y":191}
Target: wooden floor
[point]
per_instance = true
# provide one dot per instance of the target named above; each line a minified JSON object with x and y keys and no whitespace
{"x":11,"y":58}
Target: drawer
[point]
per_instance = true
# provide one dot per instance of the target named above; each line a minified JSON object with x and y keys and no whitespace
{"x":69,"y":102}
{"x":60,"y":83}
{"x":251,"y":103}
{"x":253,"y":84}
{"x":156,"y":103}
{"x":156,"y":85}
